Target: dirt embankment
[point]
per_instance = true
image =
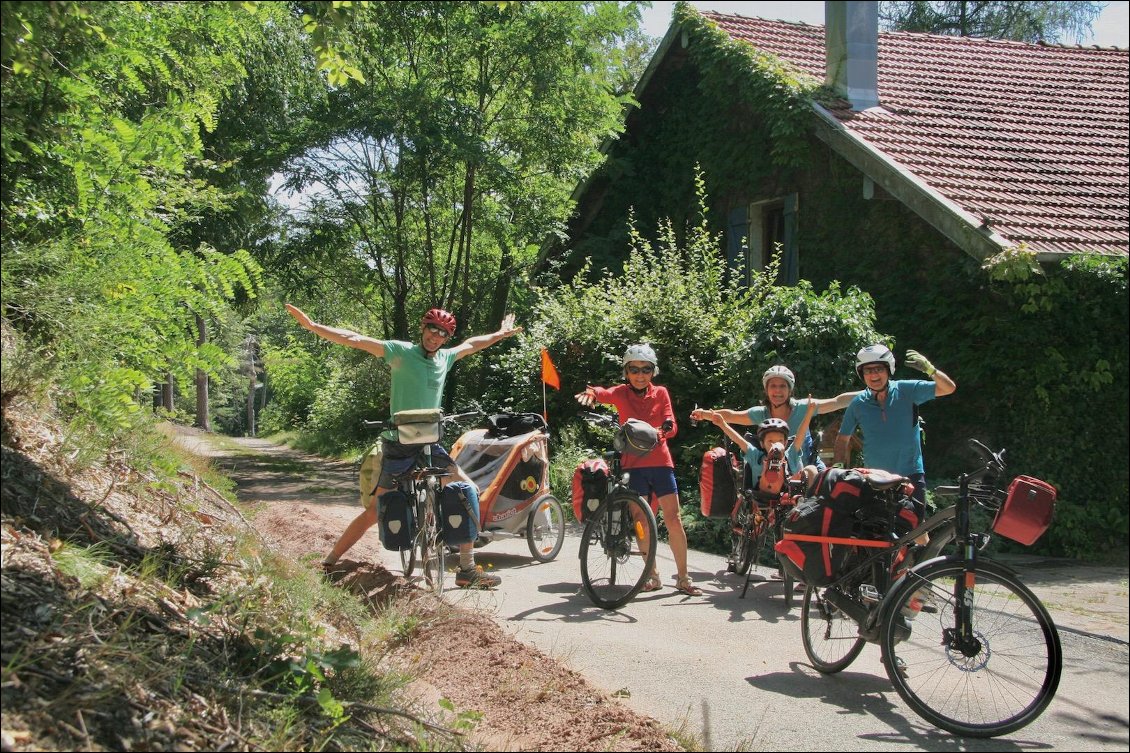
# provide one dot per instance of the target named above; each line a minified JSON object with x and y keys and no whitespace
{"x":522,"y":699}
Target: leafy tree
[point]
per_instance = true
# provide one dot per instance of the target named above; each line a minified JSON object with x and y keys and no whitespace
{"x":431,"y":182}
{"x":1018,"y":20}
{"x":104,"y":106}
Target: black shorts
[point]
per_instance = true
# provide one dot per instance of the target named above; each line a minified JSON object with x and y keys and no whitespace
{"x":398,"y":459}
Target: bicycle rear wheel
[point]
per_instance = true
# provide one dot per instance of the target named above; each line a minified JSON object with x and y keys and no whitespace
{"x":545,"y":530}
{"x":617,"y":550}
{"x":831,"y":638}
{"x":997,"y":683}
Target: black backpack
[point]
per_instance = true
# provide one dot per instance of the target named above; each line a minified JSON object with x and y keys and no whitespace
{"x":514,"y":424}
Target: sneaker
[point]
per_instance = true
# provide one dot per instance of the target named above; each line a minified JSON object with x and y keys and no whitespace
{"x":900,"y":667}
{"x":475,"y":577}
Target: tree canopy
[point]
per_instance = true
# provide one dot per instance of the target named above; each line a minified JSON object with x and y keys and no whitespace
{"x":1018,"y":20}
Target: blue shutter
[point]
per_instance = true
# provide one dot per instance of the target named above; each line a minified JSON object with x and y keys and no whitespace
{"x":790,"y":267}
{"x":737,"y":232}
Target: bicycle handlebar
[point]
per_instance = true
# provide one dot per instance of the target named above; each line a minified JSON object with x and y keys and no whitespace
{"x":445,"y":419}
{"x":599,"y":418}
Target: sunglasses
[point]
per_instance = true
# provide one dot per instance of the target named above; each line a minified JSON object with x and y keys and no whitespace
{"x":437,"y":331}
{"x":641,"y":369}
{"x":874,"y":369}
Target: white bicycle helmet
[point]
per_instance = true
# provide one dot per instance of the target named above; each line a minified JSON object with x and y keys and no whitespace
{"x":780,"y":372}
{"x":641,"y":352}
{"x":875,"y":354}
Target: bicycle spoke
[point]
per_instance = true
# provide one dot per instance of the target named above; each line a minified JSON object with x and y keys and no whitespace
{"x":995,"y":683}
{"x":617,"y":550}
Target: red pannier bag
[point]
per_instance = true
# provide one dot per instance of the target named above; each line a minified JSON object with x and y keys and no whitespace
{"x":1027,"y":510}
{"x":845,"y":509}
{"x":590,"y":484}
{"x":718,"y":483}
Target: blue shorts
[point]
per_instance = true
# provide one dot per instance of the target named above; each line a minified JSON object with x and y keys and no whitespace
{"x":644,"y":481}
{"x":398,"y":459}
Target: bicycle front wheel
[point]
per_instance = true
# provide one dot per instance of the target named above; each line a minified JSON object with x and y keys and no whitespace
{"x":831,"y":638}
{"x":996,"y":681}
{"x":408,"y":557}
{"x":617,"y":550}
{"x":753,"y":532}
{"x":545,"y":530}
{"x":433,"y":550}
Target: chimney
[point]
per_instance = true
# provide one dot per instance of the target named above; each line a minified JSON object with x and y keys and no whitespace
{"x":851,"y":34}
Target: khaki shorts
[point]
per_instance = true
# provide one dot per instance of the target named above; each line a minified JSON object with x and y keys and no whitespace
{"x":370,"y":473}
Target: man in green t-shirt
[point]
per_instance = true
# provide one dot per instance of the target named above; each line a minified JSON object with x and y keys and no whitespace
{"x":418,"y":376}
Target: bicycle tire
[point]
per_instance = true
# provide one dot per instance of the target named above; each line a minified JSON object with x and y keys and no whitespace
{"x":545,"y":529}
{"x":408,"y":556}
{"x":614,"y":565}
{"x":433,"y":550}
{"x":1002,"y":682}
{"x":831,"y":638}
{"x":751,"y":535}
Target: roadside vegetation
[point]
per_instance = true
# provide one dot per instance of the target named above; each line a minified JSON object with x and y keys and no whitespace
{"x":142,"y":611}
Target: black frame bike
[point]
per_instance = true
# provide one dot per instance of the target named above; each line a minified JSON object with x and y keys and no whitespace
{"x":619,"y":538}
{"x":966,"y":644}
{"x":422,"y":484}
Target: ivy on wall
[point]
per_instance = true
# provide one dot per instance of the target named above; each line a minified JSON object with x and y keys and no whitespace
{"x":1040,"y":356}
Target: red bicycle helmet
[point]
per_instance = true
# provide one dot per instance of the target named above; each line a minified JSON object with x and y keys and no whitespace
{"x":445,"y":320}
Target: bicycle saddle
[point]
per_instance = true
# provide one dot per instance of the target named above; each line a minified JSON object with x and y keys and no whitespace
{"x":881,"y":481}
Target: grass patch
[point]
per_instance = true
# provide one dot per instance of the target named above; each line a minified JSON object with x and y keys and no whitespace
{"x":86,"y":564}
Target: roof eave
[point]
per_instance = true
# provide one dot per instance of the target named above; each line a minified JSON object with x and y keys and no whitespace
{"x":956,"y":224}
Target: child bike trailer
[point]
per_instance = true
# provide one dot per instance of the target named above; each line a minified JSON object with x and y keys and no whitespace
{"x":509,"y":462}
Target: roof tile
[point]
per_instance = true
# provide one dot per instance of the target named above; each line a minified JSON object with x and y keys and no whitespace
{"x":1037,"y":136}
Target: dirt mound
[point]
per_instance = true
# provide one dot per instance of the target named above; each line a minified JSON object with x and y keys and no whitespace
{"x":67,"y":686}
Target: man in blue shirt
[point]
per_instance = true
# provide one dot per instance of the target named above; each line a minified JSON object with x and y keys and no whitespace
{"x":886,"y":414}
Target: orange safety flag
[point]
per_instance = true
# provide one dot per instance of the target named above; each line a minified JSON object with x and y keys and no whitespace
{"x":549,"y":371}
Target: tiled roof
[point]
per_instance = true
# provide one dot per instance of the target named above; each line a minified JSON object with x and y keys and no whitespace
{"x":1035,"y":138}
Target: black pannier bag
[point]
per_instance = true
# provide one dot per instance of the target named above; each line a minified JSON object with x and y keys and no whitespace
{"x":460,"y":504}
{"x":397,"y":528}
{"x":813,"y":562}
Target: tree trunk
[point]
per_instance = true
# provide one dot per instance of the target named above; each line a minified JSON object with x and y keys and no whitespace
{"x":251,"y":401}
{"x":203,"y":419}
{"x":501,"y":285}
{"x":167,"y":392}
{"x":252,"y":349}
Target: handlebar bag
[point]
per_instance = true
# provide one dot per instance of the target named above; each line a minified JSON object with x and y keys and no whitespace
{"x":635,"y":437}
{"x":460,"y":504}
{"x":397,"y":521}
{"x":1027,"y":510}
{"x":423,"y":426}
{"x":718,"y":483}
{"x":590,"y":484}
